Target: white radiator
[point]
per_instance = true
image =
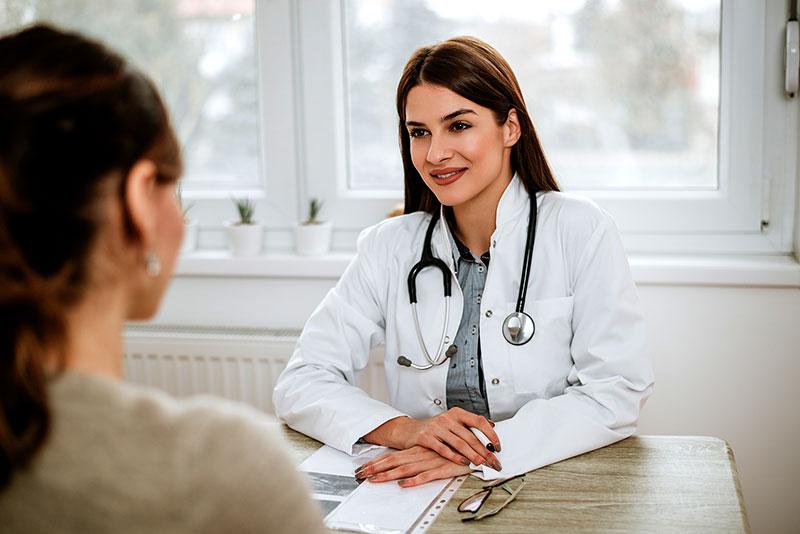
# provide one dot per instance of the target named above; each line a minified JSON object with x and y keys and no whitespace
{"x":240,"y":364}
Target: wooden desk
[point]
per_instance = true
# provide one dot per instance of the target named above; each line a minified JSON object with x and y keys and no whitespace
{"x":641,"y":484}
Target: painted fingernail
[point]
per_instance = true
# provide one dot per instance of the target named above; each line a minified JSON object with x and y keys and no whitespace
{"x":360,"y":468}
{"x":464,"y":461}
{"x":496,"y":466}
{"x":491,"y":423}
{"x":490,"y":447}
{"x":497,"y":447}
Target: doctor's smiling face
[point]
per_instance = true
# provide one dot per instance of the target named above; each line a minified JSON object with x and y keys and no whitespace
{"x":458,"y":147}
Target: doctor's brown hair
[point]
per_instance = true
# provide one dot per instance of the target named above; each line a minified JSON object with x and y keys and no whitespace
{"x":74,"y":119}
{"x":476,"y":71}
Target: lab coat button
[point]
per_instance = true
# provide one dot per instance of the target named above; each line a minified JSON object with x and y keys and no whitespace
{"x":495,"y":381}
{"x":494,"y":243}
{"x":437,"y":402}
{"x":488,"y":313}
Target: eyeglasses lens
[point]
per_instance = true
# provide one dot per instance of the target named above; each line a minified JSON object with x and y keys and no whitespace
{"x":474,"y":502}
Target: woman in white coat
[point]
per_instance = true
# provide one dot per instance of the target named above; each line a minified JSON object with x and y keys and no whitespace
{"x":472,"y":163}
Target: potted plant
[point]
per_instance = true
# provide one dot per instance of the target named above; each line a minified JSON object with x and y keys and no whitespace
{"x":313,"y":236}
{"x":245,"y":235}
{"x":189,"y":224}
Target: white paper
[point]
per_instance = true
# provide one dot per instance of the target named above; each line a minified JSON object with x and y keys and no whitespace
{"x":385,"y":507}
{"x":329,"y":460}
{"x":368,"y":507}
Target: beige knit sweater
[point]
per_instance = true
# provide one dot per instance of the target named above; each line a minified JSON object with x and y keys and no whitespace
{"x":123,"y":458}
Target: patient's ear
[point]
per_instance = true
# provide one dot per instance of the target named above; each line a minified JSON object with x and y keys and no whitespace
{"x":511,"y":129}
{"x":140,"y":201}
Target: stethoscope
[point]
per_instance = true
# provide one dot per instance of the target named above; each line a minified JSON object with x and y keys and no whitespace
{"x":518,"y":327}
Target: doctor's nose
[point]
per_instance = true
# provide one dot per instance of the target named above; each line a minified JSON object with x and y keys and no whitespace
{"x":438,"y":151}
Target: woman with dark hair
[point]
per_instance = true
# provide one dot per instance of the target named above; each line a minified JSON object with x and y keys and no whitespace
{"x":90,"y":228}
{"x":532,"y":352}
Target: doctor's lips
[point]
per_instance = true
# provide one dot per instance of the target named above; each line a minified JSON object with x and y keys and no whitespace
{"x":448,"y":175}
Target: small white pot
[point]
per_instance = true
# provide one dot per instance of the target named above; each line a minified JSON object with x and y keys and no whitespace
{"x":189,"y":235}
{"x":244,"y":239}
{"x":313,"y":239}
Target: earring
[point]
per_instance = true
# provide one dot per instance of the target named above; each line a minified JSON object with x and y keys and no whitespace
{"x":152,"y":264}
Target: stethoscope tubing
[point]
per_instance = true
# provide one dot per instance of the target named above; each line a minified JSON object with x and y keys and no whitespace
{"x":438,"y":359}
{"x":429,"y":260}
{"x":530,"y":239}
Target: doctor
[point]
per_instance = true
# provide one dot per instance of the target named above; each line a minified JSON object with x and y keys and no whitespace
{"x":537,"y":354}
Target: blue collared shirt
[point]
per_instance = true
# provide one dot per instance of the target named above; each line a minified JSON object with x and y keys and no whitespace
{"x":465,"y":385}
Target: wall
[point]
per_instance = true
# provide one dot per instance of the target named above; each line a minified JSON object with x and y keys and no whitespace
{"x":727,"y":360}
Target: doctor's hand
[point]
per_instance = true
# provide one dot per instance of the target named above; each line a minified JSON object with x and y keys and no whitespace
{"x":413,"y":466}
{"x":447,"y":434}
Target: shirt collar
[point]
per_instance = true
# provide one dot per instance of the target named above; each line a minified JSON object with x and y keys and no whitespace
{"x":512,"y":202}
{"x":460,"y":250}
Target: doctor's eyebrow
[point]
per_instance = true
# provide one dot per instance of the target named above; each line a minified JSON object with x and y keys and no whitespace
{"x":449,"y":116}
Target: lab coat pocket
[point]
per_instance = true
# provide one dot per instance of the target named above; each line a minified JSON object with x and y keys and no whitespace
{"x":542,"y":365}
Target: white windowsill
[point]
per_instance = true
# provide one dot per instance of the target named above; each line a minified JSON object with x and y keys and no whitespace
{"x":220,"y":263}
{"x":752,"y":271}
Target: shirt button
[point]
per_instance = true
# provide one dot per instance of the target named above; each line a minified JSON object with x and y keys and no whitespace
{"x":488,"y":313}
{"x":480,"y":268}
{"x":495,"y":381}
{"x":438,"y":402}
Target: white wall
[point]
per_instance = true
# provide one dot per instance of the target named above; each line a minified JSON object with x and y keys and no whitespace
{"x":727,"y":363}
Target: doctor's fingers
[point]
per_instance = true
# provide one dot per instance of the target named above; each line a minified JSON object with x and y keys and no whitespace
{"x":450,"y":444}
{"x":444,"y":471}
{"x":390,"y":460}
{"x":467,"y":444}
{"x":410,"y":469}
{"x":446,"y":450}
{"x":470,"y":419}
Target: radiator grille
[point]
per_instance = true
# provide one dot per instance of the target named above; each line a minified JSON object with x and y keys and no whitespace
{"x":240,"y":364}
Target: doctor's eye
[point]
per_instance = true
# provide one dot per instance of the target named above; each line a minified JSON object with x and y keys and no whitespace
{"x":417,"y":132}
{"x":460,"y":126}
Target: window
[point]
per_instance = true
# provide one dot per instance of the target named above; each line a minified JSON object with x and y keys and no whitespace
{"x":201,"y":55}
{"x":624,"y":95}
{"x":669,"y":113}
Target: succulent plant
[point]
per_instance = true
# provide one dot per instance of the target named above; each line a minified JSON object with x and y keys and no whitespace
{"x":246,"y":209}
{"x":314,"y":208}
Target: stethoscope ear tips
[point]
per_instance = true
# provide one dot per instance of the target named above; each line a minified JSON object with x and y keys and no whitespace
{"x":451,"y":351}
{"x":405,"y":362}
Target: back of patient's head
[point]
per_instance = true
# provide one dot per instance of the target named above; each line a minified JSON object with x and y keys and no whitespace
{"x":74,"y":119}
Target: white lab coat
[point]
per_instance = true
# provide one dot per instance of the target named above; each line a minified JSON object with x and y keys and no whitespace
{"x":578,"y":385}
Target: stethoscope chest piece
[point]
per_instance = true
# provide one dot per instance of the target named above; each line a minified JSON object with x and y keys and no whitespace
{"x":518,"y":328}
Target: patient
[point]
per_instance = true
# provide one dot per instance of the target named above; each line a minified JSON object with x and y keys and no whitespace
{"x":89,"y":232}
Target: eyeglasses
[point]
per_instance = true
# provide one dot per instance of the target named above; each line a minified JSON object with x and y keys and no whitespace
{"x":473,"y":503}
